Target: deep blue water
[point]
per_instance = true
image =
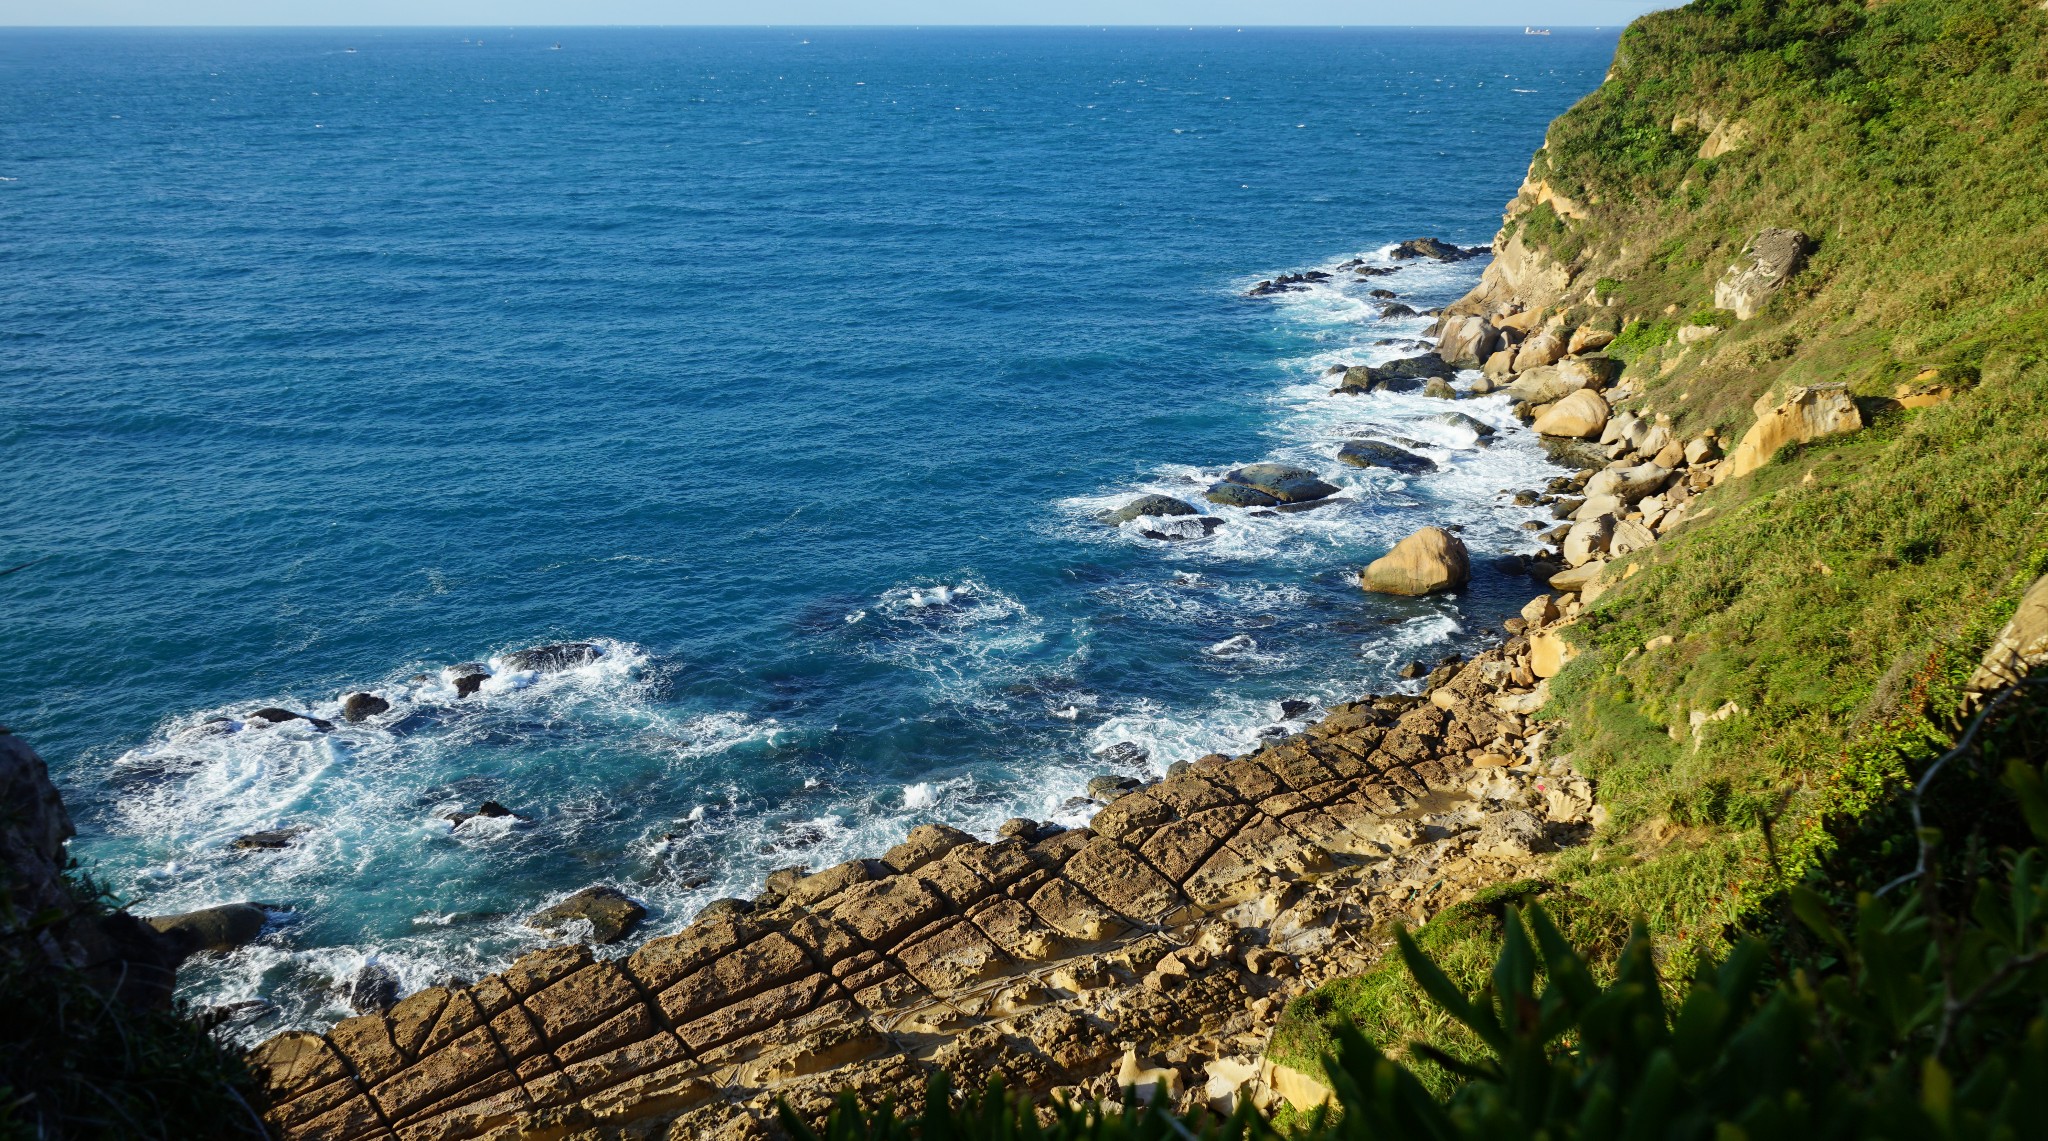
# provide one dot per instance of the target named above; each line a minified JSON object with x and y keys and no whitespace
{"x":791,"y":365}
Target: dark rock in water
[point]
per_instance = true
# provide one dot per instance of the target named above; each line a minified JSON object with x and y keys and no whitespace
{"x":610,"y":914}
{"x":1388,"y":294}
{"x":468,"y":677}
{"x":1207,"y":523}
{"x":269,"y":841}
{"x":1273,"y":732}
{"x":1560,"y":484}
{"x":1397,"y":310}
{"x":489,"y":809}
{"x":1237,"y":495}
{"x":1435,"y":250}
{"x":357,"y":706}
{"x":1373,"y":453}
{"x":234,"y":1013}
{"x":1541,"y":569}
{"x":374,"y":990}
{"x":1124,"y":753}
{"x":1162,"y":506}
{"x":1283,"y":483}
{"x":1439,"y":388}
{"x":1512,"y":564}
{"x":1396,"y":376}
{"x":553,"y":658}
{"x":724,"y":908}
{"x":1414,"y":670}
{"x":1076,"y":804}
{"x":1298,"y":508}
{"x":275,"y":716}
{"x":1526,"y":498}
{"x":1566,"y":507}
{"x":1106,"y":789}
{"x":1287,"y":283}
{"x":221,"y":928}
{"x":1295,"y":707}
{"x":1459,"y":420}
{"x":215,"y":727}
{"x":1373,"y":270}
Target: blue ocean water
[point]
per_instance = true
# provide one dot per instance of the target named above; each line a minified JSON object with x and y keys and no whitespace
{"x":789,"y":366}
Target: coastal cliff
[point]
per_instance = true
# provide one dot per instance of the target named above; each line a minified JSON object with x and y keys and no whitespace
{"x":1771,"y":294}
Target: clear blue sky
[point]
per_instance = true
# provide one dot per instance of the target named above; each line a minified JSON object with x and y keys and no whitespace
{"x":556,"y":13}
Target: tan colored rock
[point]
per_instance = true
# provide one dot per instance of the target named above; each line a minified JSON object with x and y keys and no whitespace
{"x":1580,"y":415}
{"x":1428,"y":561}
{"x":1628,"y":484}
{"x":1588,"y":540}
{"x":1549,"y":651}
{"x":2020,"y":647}
{"x":1700,"y":449}
{"x":1539,"y":610}
{"x":1629,"y":537}
{"x":1586,"y":339}
{"x":1575,"y":580}
{"x":1694,"y":334}
{"x":1808,"y":413}
{"x":1466,"y":341}
{"x":1501,"y":364}
{"x":1555,"y":382}
{"x":1545,"y":347}
{"x":1670,"y":455}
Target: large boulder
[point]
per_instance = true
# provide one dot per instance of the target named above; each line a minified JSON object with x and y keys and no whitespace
{"x":1161,"y":506}
{"x":1547,"y":383}
{"x":1284,"y":483}
{"x":1477,"y":427}
{"x":1588,"y":539}
{"x":1433,"y":249}
{"x":221,"y":928}
{"x":1546,"y":346}
{"x":1403,"y":375}
{"x":1467,"y":341}
{"x":1766,"y":264}
{"x":1579,"y":416}
{"x":358,"y":706}
{"x":1428,"y":561}
{"x":1628,"y":484}
{"x":2020,"y":647}
{"x":1587,"y":339}
{"x":610,"y":914}
{"x":1229,"y":494}
{"x":552,"y":658}
{"x":1808,"y":413}
{"x":1378,"y":453}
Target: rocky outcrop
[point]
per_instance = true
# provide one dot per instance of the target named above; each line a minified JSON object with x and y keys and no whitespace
{"x":610,"y":914}
{"x":1378,"y":453}
{"x":357,"y":707}
{"x":1765,"y":265}
{"x":1154,"y":948}
{"x":43,"y":923}
{"x":1466,"y":341}
{"x":1426,"y":562}
{"x":220,"y":928}
{"x":1161,"y":506}
{"x":1808,"y":413}
{"x":1277,"y":483}
{"x":1580,"y":415}
{"x":2020,"y":647}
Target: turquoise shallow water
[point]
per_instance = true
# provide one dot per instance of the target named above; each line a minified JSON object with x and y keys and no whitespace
{"x":790,"y":366}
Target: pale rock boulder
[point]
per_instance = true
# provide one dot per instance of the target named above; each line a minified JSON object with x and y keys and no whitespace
{"x":2020,"y":646}
{"x":1539,"y":610}
{"x":1576,"y":580}
{"x":1466,"y":341}
{"x":1548,"y":653}
{"x":1618,"y":427}
{"x":1598,"y":505}
{"x":1501,"y":364}
{"x":1547,"y":346}
{"x":1700,"y":449}
{"x":1810,"y":412}
{"x":1670,"y":455}
{"x":1765,"y":265}
{"x":1545,"y":383}
{"x":1426,"y":562}
{"x":1586,"y":339}
{"x":1580,"y":415}
{"x":1588,"y":540}
{"x":1628,"y":484}
{"x":1694,"y":334}
{"x":1630,"y":537}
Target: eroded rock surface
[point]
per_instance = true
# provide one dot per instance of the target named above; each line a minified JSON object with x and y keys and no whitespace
{"x":1173,"y":929}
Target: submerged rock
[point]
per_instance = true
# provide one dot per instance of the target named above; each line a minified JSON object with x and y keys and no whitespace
{"x":611,"y":915}
{"x":1400,"y":375}
{"x":220,"y":928}
{"x":357,"y":706}
{"x":553,"y":658}
{"x":489,"y":810}
{"x":1281,"y":482}
{"x":1107,"y":789}
{"x":1479,"y":428}
{"x":1376,"y":453}
{"x":1162,"y":506}
{"x":269,"y":841}
{"x":467,"y":677}
{"x":374,"y":989}
{"x":274,"y":716}
{"x":1124,"y":753}
{"x":1181,"y":529}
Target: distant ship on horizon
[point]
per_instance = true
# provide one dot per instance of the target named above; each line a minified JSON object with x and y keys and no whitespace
{"x":1529,"y":31}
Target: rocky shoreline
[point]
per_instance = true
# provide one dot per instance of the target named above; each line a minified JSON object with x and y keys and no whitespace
{"x":1154,"y":948}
